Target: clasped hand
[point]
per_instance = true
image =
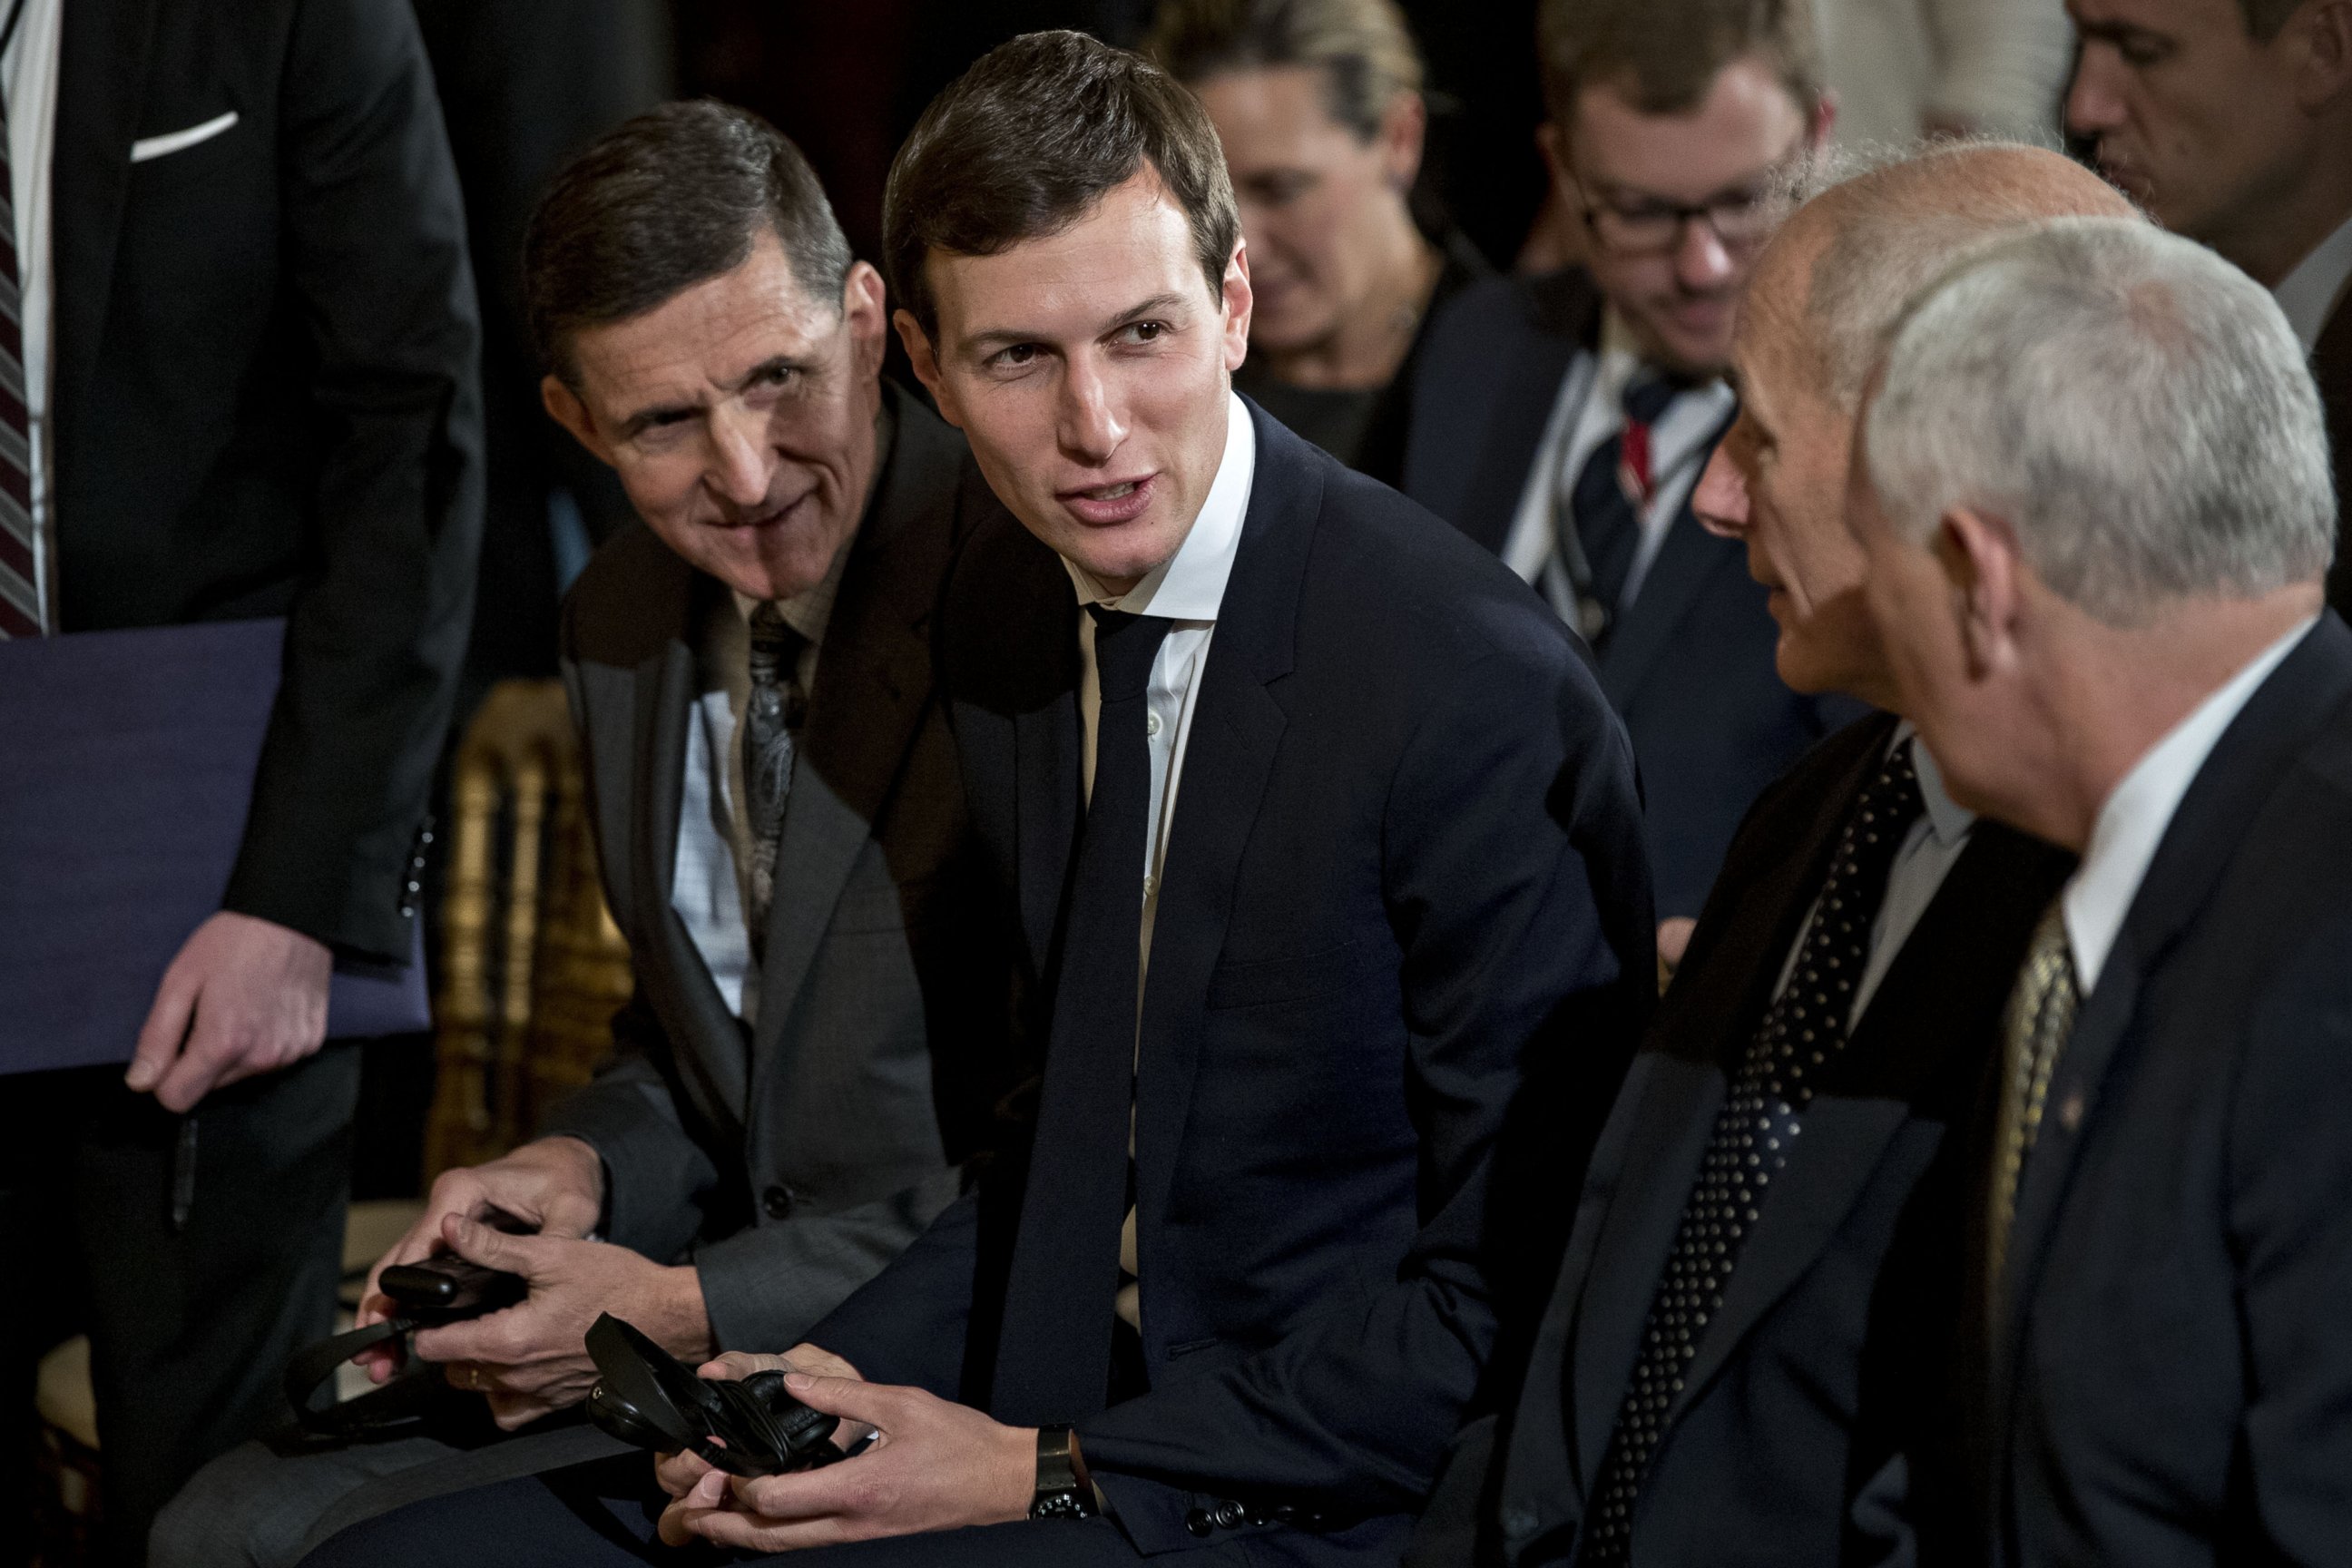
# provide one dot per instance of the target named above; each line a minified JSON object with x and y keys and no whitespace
{"x":933,"y":1465}
{"x":531,"y":1358}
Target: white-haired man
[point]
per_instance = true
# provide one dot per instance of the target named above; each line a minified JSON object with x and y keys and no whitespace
{"x":2093,"y":489}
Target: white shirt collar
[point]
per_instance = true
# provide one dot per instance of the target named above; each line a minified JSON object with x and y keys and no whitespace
{"x":1947,"y":821}
{"x":1189,"y":585}
{"x":2310,"y":290}
{"x":2133,"y":820}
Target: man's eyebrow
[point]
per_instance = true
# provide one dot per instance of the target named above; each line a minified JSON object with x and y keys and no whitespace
{"x":1005,"y":337}
{"x":644,"y":418}
{"x":2118,"y":32}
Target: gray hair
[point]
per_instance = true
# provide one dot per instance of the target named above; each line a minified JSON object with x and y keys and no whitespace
{"x":2136,"y":409}
{"x":1907,"y":213}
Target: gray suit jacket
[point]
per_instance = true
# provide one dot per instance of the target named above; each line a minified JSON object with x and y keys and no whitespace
{"x":793,"y":1161}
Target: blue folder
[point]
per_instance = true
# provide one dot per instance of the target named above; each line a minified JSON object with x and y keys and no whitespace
{"x":127,"y":762}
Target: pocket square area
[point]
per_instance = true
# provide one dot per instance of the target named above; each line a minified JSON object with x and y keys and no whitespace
{"x":173,"y":141}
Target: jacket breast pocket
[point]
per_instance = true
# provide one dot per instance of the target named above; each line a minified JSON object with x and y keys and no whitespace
{"x":1270,"y":981}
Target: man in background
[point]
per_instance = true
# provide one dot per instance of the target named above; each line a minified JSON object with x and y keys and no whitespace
{"x":1562,"y":421}
{"x":1754,"y":1304}
{"x":2232,"y":121}
{"x":814,"y":1042}
{"x":2093,"y":489}
{"x":239,"y":382}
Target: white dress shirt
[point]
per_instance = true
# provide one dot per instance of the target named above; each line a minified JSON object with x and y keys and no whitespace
{"x":1589,"y":410}
{"x":2308,"y":294}
{"x":1926,"y":855}
{"x":28,"y":75}
{"x":2136,"y":813}
{"x":710,"y":885}
{"x":1186,"y":588}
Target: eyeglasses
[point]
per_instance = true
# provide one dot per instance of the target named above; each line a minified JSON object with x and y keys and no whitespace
{"x":1741,"y":219}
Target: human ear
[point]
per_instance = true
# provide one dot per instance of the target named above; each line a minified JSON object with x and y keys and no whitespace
{"x":2322,"y":39}
{"x":563,"y":407}
{"x":1404,"y":134}
{"x":1237,"y":301}
{"x":863,"y":306}
{"x":925,"y":363}
{"x":1984,"y":574}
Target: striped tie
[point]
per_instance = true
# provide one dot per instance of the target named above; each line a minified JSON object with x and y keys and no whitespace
{"x":20,"y":584}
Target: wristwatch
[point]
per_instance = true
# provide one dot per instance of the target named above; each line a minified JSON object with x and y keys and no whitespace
{"x":1062,"y":1492}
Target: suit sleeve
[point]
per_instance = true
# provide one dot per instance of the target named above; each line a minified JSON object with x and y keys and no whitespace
{"x":907,"y":1325}
{"x":373,"y":234}
{"x":2290,"y":1223}
{"x":656,"y":1176}
{"x":1518,"y":891}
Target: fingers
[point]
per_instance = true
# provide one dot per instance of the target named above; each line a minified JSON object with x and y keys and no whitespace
{"x":726,"y":1527}
{"x":677,"y":1473}
{"x":737,"y":1365}
{"x":166,"y":1028}
{"x":706,"y":1495}
{"x":872,"y":1402}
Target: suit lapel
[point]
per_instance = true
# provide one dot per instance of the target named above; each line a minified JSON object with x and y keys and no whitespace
{"x":1229,"y":753}
{"x":1917,"y":1055}
{"x":707,"y":1038}
{"x":1688,"y":559}
{"x":2308,"y":690}
{"x":101,"y":81}
{"x":1702,"y":1027}
{"x":873,"y":686}
{"x":1564,"y":319}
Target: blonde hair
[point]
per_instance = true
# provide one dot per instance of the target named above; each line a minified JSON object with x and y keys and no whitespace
{"x":1363,"y":48}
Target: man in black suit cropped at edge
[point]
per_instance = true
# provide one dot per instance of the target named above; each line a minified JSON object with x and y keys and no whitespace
{"x":2231,"y":120}
{"x":1394,"y":920}
{"x":1562,"y":421}
{"x":805,"y":1067}
{"x":2093,"y":485}
{"x":239,"y":382}
{"x":1723,"y":1358}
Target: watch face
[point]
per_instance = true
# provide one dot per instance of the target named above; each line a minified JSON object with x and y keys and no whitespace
{"x":1070,"y":1504}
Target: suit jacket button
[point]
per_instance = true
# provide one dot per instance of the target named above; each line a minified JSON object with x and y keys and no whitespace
{"x":1227,"y":1515}
{"x":1197,"y":1521}
{"x":778,"y":1201}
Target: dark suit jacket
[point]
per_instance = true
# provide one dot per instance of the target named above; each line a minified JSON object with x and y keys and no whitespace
{"x":795,"y":1168}
{"x":2331,"y":366}
{"x":1689,"y":666}
{"x":266,"y":404}
{"x":2173,"y":1358}
{"x":1831,"y":1337}
{"x":1405,"y":888}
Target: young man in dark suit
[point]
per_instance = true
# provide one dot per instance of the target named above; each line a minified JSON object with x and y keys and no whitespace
{"x":2093,"y":486}
{"x":1562,"y":421}
{"x":1755,"y":1300}
{"x":238,"y":381}
{"x":2232,"y":121}
{"x":1321,"y":849}
{"x":807,"y":1064}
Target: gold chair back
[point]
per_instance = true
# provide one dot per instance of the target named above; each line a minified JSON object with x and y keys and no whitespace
{"x":533,"y":967}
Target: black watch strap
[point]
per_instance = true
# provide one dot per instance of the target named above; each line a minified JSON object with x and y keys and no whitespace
{"x":1060,"y":1494}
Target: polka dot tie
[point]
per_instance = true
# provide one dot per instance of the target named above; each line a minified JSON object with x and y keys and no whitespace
{"x":1754,"y":1134}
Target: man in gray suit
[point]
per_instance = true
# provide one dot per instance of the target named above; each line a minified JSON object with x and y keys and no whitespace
{"x":817,"y":1034}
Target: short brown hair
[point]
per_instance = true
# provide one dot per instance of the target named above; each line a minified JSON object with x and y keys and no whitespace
{"x":1363,"y":49}
{"x":1663,"y":54}
{"x":1030,"y":140}
{"x":671,"y":199}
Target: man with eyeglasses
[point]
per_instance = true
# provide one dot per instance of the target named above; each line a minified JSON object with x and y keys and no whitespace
{"x":1562,"y":421}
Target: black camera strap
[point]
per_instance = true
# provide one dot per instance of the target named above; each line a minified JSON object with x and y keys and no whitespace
{"x":397,"y":1407}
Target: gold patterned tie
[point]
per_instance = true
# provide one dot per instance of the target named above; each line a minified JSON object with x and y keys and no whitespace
{"x":2040,"y":1015}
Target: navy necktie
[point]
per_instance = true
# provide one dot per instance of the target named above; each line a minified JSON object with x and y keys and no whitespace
{"x":1054,"y":1356}
{"x":1604,"y":506}
{"x":1802,"y":1032}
